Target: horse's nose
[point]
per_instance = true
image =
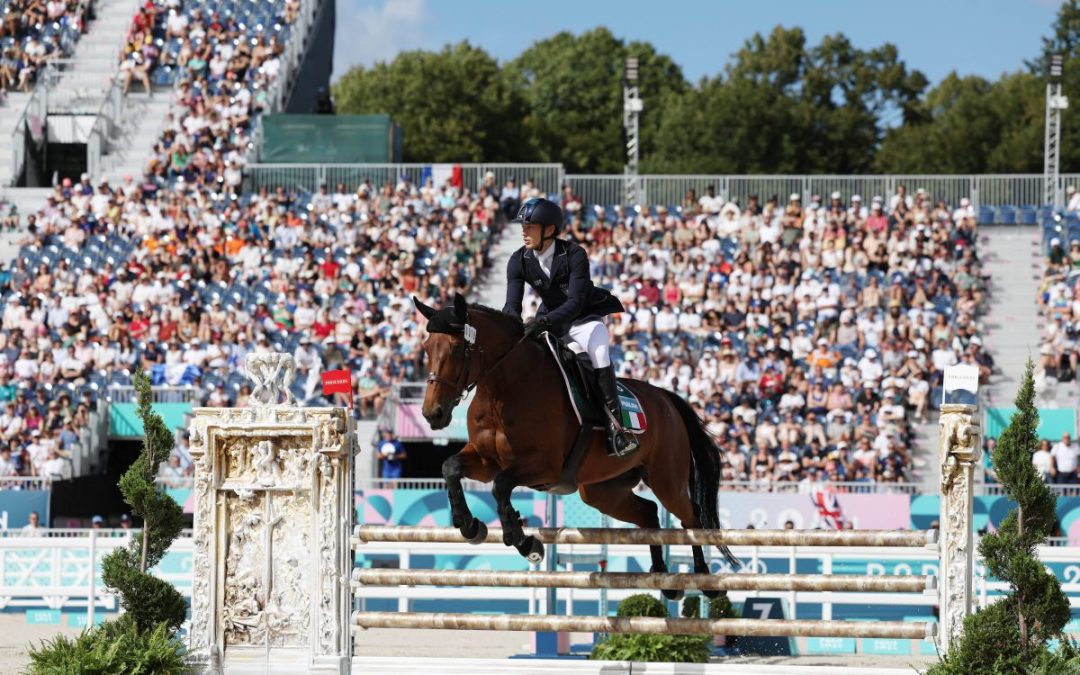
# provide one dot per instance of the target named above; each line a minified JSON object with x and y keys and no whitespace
{"x":435,"y":414}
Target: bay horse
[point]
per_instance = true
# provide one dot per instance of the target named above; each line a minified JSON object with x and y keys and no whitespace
{"x":522,"y":426}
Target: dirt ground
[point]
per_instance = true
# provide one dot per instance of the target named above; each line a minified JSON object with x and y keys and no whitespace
{"x":16,"y":636}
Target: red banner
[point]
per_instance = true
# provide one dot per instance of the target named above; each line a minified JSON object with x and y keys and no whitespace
{"x":337,"y":382}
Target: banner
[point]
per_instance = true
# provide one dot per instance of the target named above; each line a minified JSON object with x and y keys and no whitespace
{"x":16,"y":505}
{"x":338,"y":382}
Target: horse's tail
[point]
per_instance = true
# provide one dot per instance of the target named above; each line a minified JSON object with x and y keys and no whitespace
{"x":704,"y":472}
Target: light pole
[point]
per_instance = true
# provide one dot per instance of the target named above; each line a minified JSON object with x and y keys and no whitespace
{"x":1055,"y":103}
{"x":632,"y":107}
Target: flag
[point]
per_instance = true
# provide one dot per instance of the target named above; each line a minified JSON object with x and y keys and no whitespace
{"x":337,"y":382}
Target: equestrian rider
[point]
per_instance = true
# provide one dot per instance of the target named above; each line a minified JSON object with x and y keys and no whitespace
{"x":558,"y":270}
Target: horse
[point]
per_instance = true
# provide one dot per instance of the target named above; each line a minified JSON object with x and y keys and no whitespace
{"x":521,"y":427}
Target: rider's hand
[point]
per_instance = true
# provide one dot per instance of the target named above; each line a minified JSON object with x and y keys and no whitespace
{"x":536,"y":326}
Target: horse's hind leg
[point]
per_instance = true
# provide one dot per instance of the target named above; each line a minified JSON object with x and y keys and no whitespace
{"x":513,"y":534}
{"x":466,"y":464}
{"x":678,"y":502}
{"x":617,"y":499}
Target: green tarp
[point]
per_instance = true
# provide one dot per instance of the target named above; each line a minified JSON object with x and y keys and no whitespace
{"x":124,"y":423}
{"x":327,"y":139}
{"x":1052,"y":422}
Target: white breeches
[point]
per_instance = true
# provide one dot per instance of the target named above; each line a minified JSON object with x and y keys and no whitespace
{"x":591,"y":337}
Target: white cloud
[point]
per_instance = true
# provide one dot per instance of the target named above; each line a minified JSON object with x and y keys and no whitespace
{"x":369,"y":31}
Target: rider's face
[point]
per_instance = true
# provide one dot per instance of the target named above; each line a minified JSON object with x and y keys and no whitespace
{"x":530,"y":234}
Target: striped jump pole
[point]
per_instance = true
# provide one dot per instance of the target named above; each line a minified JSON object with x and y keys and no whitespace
{"x":911,"y":630}
{"x":658,"y":537}
{"x":645,"y":580}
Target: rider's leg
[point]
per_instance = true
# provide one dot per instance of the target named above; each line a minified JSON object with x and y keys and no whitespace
{"x":593,"y":337}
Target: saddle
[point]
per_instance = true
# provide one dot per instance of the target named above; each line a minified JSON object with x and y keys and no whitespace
{"x":588,"y":405}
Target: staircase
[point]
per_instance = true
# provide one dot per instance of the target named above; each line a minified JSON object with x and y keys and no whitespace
{"x":492,"y":289}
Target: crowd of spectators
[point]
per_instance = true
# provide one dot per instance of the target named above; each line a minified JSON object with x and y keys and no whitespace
{"x":1059,"y":303}
{"x":809,"y":337}
{"x":35,"y":32}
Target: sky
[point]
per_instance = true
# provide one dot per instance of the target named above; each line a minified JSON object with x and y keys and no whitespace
{"x":973,"y":37}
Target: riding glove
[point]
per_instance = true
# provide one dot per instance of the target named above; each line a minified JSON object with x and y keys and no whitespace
{"x":537,"y":326}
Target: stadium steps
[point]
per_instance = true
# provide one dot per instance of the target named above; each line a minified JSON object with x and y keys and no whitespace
{"x":492,"y":288}
{"x":96,"y":56}
{"x":139,"y":130}
{"x":1012,"y":327}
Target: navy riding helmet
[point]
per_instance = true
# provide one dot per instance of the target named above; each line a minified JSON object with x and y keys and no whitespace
{"x":541,"y":211}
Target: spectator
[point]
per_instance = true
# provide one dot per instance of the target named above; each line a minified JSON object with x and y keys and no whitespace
{"x":33,"y":527}
{"x":391,"y":453}
{"x":1065,"y":454}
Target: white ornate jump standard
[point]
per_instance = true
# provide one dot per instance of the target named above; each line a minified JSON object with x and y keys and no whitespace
{"x":961,"y":449}
{"x":273,"y":508}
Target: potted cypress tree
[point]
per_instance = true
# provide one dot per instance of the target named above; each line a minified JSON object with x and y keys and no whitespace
{"x":143,"y":639}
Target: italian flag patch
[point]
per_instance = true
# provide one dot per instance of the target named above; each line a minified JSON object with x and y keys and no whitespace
{"x":633,"y":416}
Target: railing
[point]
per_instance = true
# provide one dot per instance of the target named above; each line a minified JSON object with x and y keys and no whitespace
{"x":1015,"y":189}
{"x":26,"y":483}
{"x":33,"y":117}
{"x":127,"y":394}
{"x":548,"y":178}
{"x":108,"y":115}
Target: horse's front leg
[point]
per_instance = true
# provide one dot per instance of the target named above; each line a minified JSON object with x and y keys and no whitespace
{"x":466,"y":464}
{"x":513,"y":533}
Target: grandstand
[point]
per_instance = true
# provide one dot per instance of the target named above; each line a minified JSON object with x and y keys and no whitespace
{"x":807,"y":318}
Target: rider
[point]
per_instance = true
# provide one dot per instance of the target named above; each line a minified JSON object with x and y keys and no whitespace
{"x":558,"y":270}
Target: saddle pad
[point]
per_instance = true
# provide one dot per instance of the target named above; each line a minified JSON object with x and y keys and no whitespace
{"x":633,"y":414}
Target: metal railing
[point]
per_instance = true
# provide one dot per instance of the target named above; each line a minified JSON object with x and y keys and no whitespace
{"x":26,"y":483}
{"x":671,"y":189}
{"x":108,"y":116}
{"x":32,"y":122}
{"x":1014,"y":189}
{"x":548,"y":178}
{"x":127,"y":394}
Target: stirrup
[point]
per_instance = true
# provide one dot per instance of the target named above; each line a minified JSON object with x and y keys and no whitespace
{"x":618,"y":435}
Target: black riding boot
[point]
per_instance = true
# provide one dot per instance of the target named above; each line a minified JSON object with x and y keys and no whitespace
{"x":620,"y":441}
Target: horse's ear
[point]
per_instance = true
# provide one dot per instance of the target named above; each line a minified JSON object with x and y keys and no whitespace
{"x":461,"y":308}
{"x":422,"y":308}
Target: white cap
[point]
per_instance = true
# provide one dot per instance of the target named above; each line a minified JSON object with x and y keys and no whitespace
{"x":835,"y":195}
{"x":871,"y":354}
{"x":795,"y":197}
{"x":856,"y":198}
{"x":965,"y":202}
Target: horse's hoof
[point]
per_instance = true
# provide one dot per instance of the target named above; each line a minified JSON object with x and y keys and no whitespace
{"x":476,"y":533}
{"x":672,"y":595}
{"x":532,"y":549}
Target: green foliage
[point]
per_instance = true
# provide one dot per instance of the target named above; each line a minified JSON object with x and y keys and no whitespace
{"x":1012,"y":634}
{"x":117,"y":647}
{"x":663,"y":648}
{"x":148,"y":600}
{"x":573,"y":91}
{"x":453,"y":105}
{"x":642,"y":604}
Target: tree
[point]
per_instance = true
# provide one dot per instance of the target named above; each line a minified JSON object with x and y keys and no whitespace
{"x":1011,"y":634}
{"x":453,"y":105}
{"x":143,"y":640}
{"x":784,"y":107}
{"x":970,"y":125}
{"x":573,"y":90}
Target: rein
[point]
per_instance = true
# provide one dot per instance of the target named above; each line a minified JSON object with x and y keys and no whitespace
{"x":469,"y":334}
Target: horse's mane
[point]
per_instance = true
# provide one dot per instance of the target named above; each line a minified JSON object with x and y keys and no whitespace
{"x":504,"y":320}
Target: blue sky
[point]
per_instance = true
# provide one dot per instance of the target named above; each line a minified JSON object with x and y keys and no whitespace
{"x":983,"y":37}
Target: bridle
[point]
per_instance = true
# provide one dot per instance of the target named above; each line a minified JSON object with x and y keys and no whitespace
{"x":468,"y":332}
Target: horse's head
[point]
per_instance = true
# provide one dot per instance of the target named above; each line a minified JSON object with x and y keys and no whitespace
{"x":449,"y":348}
